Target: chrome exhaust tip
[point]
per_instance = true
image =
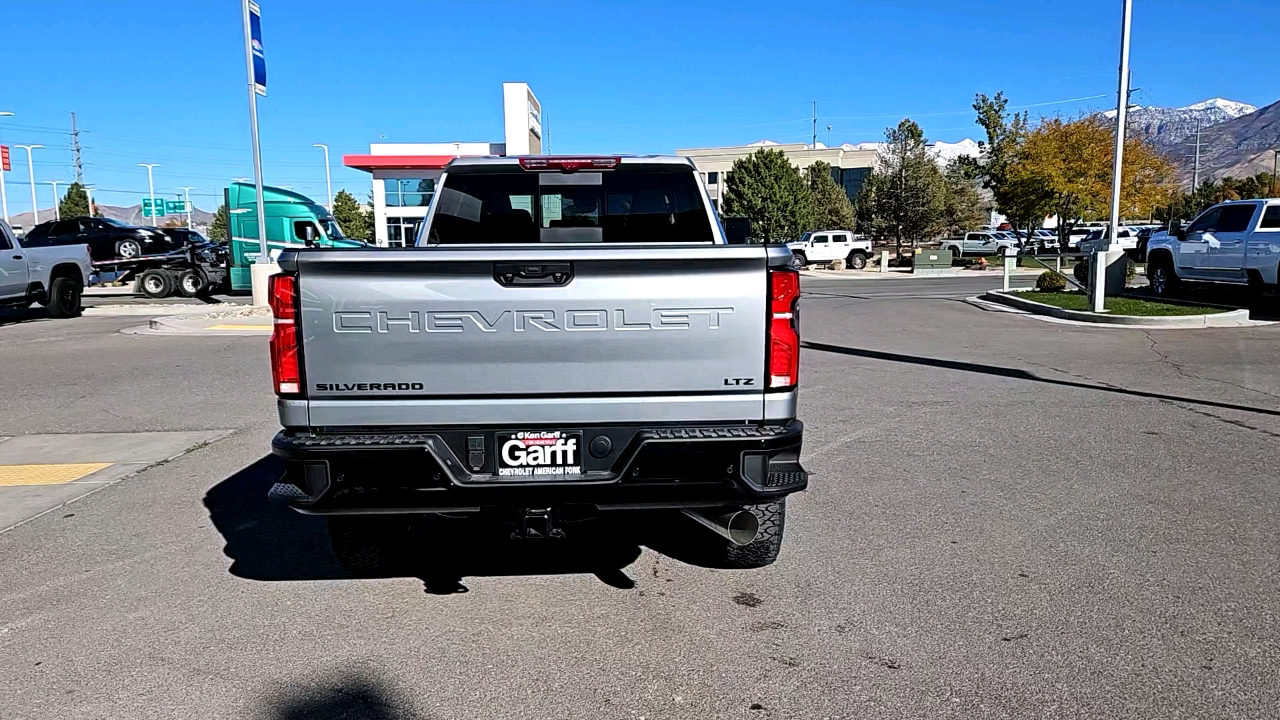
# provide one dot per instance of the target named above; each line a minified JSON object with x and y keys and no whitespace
{"x":739,"y":527}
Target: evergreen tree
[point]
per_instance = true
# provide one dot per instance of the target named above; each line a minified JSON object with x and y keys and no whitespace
{"x":767,"y":189}
{"x":831,"y":207}
{"x":906,"y":195}
{"x":75,"y":203}
{"x":963,"y":209}
{"x":219,"y":227}
{"x":354,"y":221}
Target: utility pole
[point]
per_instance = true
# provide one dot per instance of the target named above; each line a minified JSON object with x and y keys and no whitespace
{"x":1102,"y":260}
{"x":151,"y":189}
{"x":57,"y":213}
{"x":328,"y":184}
{"x":31,"y":175}
{"x":4,"y":199}
{"x":187,"y":190}
{"x":1195,"y":173}
{"x":1275,"y":164}
{"x":75,"y":147}
{"x":815,"y":125}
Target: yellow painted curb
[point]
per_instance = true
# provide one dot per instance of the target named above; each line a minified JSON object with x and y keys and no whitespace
{"x":59,"y":474}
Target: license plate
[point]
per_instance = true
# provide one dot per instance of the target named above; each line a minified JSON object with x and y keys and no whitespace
{"x":539,"y":454}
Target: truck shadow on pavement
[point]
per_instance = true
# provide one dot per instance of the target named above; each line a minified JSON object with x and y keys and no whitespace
{"x":352,"y":695}
{"x":1017,"y":374}
{"x":13,"y":316}
{"x":271,"y":542}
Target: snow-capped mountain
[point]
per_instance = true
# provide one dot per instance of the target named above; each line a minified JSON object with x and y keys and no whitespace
{"x":1167,"y":127}
{"x":943,"y":152}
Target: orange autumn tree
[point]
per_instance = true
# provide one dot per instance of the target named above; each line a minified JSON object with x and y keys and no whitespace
{"x":1064,"y":167}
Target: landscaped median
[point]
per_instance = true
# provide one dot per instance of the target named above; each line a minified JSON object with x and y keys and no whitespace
{"x":1120,"y":310}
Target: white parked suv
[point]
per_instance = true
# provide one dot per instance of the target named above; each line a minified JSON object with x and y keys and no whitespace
{"x":821,"y":246}
{"x":53,"y":276}
{"x":1234,"y":242}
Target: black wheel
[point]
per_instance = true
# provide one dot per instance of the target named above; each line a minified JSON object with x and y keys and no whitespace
{"x":1161,"y":277}
{"x":1081,"y":271}
{"x":372,"y":545}
{"x":857,"y":261}
{"x":155,"y":284}
{"x":1256,"y":288}
{"x":799,"y":259}
{"x":64,"y":298}
{"x":759,"y":552}
{"x":192,"y":283}
{"x":128,"y":249}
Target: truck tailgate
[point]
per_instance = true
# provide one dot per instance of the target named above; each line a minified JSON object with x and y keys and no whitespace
{"x":442,"y":324}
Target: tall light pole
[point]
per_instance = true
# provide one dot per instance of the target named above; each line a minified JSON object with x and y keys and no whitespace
{"x":187,"y":190}
{"x":1275,"y":165}
{"x":1099,"y":267}
{"x":828,"y":136}
{"x":4,"y":199}
{"x":256,"y":69}
{"x":327,"y":183}
{"x":151,"y":189}
{"x":57,"y":214}
{"x":31,"y":175}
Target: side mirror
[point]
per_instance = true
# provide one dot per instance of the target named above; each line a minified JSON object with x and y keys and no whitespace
{"x":310,"y":234}
{"x":737,"y":230}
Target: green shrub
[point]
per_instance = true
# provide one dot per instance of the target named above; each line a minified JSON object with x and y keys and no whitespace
{"x":1050,"y":281}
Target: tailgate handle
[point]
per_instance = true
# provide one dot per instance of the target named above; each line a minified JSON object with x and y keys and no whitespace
{"x":532,"y":274}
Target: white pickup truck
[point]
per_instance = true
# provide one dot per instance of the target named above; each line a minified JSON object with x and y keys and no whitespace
{"x":1235,"y":242}
{"x":53,"y":276}
{"x":570,"y":338}
{"x":821,"y":246}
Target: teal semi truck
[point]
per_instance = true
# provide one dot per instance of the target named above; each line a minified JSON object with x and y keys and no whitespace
{"x":293,"y":221}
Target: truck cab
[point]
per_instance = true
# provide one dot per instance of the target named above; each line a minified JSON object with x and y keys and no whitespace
{"x":293,"y":220}
{"x":1234,"y":242}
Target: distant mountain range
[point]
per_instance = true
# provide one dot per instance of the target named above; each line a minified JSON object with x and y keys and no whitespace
{"x":1171,"y":127}
{"x":1239,"y":147}
{"x":131,"y":215}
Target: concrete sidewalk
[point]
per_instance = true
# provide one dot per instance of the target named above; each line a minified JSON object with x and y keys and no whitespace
{"x":39,"y":473}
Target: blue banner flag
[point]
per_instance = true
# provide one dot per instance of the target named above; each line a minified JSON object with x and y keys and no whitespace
{"x":255,"y":39}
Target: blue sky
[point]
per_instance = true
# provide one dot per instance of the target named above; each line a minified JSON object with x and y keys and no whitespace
{"x":164,"y":82}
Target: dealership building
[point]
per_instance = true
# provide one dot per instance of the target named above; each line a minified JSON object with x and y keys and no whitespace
{"x":405,"y":174}
{"x":850,"y":164}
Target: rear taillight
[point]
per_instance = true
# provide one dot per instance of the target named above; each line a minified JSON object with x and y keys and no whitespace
{"x":569,"y":164}
{"x":285,"y":370}
{"x":784,"y":335}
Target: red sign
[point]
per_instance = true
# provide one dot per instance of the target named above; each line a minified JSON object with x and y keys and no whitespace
{"x":4,"y":158}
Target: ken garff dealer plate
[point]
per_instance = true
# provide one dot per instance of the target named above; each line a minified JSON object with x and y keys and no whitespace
{"x":539,"y":453}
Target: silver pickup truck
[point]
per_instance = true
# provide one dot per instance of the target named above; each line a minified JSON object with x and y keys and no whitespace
{"x":570,"y":337}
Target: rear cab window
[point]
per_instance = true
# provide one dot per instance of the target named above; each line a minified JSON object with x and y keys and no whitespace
{"x":507,"y":205}
{"x":1270,"y":218}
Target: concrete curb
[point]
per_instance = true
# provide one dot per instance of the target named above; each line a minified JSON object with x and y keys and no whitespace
{"x":1232,"y":318}
{"x":169,"y":325}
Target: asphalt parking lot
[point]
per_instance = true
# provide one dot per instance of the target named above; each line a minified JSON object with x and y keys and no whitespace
{"x":1007,"y":518}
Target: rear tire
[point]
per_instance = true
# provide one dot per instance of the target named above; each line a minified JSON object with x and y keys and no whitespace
{"x":759,"y":552}
{"x":1163,"y":280}
{"x":128,"y":249}
{"x":192,"y":284}
{"x":64,"y":298}
{"x":155,"y":284}
{"x":857,"y":261}
{"x":372,"y":545}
